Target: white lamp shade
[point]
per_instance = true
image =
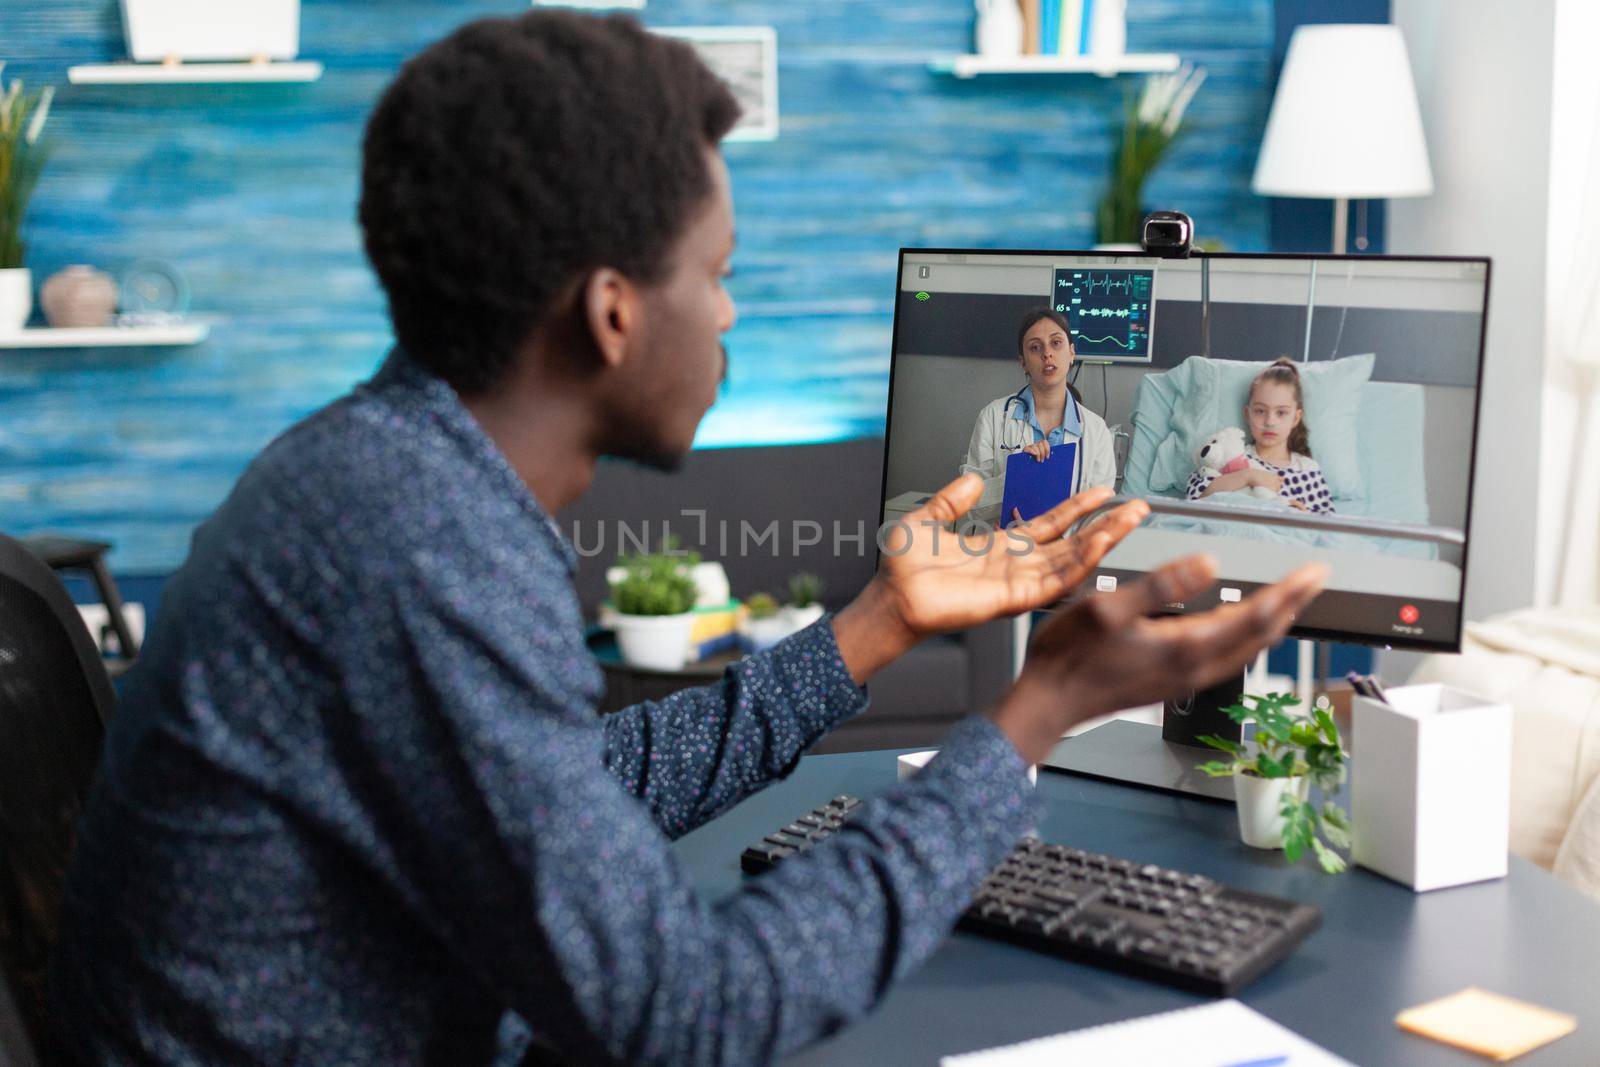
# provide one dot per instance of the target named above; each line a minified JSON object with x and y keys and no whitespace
{"x":1344,"y":122}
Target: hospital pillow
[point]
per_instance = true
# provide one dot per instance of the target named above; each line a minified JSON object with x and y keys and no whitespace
{"x":1211,"y":394}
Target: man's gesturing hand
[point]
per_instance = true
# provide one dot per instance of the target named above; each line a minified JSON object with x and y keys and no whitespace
{"x":1106,"y":653}
{"x":939,"y":580}
{"x":934,"y":580}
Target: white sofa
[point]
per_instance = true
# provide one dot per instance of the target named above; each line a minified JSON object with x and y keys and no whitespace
{"x":1545,"y":663}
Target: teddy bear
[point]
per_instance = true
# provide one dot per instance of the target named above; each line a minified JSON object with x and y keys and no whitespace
{"x":1224,"y":453}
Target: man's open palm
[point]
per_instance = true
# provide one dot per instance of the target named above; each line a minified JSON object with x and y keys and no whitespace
{"x":941,"y":580}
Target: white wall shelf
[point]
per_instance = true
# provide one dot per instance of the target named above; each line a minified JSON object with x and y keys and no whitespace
{"x":176,"y":335}
{"x":192,"y":73}
{"x":1104,"y":66}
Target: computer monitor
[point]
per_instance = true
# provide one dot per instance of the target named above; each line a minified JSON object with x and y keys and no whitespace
{"x":1170,"y":354}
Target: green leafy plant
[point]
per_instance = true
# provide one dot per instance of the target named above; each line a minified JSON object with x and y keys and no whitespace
{"x":22,"y":158}
{"x":804,"y":589}
{"x":1150,"y":125}
{"x":1292,"y":745}
{"x":655,"y":583}
{"x":762,"y":606}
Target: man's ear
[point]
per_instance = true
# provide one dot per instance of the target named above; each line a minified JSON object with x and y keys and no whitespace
{"x":612,"y":312}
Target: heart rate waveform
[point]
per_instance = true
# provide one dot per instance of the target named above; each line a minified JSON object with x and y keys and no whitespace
{"x":1107,"y":283}
{"x":1119,"y":301}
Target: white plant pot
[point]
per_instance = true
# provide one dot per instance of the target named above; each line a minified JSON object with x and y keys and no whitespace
{"x":206,"y":29}
{"x":654,"y":642}
{"x":759,"y":635}
{"x":16,"y":298}
{"x":1259,"y":803}
{"x":800,"y":618}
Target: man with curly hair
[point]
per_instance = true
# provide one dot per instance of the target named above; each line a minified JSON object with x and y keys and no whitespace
{"x":356,"y":806}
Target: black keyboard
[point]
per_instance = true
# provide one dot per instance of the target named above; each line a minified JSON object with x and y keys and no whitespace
{"x":1168,"y":926}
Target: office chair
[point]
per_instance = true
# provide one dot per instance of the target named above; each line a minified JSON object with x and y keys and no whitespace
{"x":16,"y":1043}
{"x":55,"y":697}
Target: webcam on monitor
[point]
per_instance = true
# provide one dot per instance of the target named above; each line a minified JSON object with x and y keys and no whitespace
{"x":1168,"y":234}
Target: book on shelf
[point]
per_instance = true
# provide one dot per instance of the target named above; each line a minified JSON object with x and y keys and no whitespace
{"x":1030,"y":27}
{"x":1073,"y":27}
{"x":1049,"y":27}
{"x":1071,"y":31}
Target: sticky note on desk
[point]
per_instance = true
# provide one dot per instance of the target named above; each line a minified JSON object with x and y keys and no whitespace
{"x":1487,"y":1023}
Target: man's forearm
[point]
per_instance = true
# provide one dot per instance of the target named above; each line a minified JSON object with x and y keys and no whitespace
{"x":1030,"y":716}
{"x":692,"y":754}
{"x":869,"y":633}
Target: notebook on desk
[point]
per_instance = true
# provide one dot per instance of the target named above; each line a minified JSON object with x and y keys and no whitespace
{"x":1224,"y":1033}
{"x":1034,"y":487}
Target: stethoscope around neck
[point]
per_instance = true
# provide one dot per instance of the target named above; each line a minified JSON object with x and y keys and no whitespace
{"x":1017,"y":398}
{"x":1006,"y":418}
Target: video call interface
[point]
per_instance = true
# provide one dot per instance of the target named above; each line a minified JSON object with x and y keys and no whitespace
{"x":1272,"y":410}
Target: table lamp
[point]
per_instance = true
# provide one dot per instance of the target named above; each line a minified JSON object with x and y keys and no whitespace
{"x":1344,"y":122}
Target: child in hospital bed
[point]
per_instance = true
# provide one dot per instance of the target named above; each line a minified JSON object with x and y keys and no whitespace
{"x":1280,"y":451}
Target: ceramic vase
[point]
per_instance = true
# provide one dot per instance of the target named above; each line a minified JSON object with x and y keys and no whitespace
{"x":78,"y":297}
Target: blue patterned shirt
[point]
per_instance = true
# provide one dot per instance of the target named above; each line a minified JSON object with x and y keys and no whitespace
{"x":356,"y":806}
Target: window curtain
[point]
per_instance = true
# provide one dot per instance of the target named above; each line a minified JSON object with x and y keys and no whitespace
{"x":1572,"y":376}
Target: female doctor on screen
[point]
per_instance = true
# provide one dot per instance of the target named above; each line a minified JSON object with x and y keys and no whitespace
{"x":1042,"y":414}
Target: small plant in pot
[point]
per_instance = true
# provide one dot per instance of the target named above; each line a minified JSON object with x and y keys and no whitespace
{"x":653,"y":602}
{"x":1274,"y":771}
{"x":763,"y":624}
{"x":805,"y":589}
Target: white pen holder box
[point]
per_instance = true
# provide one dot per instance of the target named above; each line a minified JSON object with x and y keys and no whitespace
{"x":1430,"y":786}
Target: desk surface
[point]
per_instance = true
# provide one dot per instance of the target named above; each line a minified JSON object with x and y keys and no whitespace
{"x":1381,"y":948}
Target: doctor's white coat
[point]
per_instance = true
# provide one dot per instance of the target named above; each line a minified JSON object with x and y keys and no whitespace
{"x":998,"y":434}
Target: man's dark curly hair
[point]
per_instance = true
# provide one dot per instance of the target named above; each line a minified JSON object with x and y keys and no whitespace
{"x":515,"y":156}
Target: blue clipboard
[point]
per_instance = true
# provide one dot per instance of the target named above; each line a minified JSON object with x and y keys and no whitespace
{"x":1033,"y":488}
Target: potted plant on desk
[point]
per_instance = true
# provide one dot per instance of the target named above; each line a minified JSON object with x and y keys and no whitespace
{"x":1273,"y":772}
{"x":652,"y":610}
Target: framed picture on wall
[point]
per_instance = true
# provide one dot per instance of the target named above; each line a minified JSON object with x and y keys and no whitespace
{"x":746,"y":57}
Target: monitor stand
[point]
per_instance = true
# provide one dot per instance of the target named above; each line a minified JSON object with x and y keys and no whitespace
{"x":1164,"y":758}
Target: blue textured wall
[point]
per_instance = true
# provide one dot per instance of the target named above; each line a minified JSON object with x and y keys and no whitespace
{"x":251,"y":190}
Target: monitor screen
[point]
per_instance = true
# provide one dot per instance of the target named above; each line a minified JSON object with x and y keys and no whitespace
{"x":1271,"y":409}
